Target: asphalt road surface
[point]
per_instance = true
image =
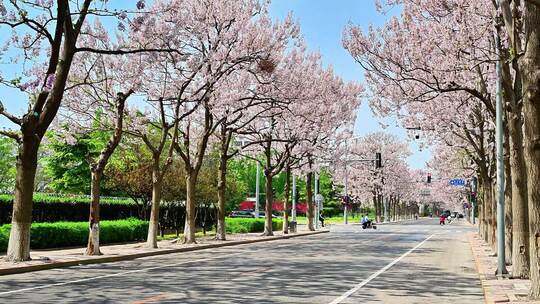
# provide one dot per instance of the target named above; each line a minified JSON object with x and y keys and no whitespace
{"x":414,"y":262}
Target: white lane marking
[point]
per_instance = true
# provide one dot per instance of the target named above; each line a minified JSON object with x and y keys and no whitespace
{"x":376,"y":274}
{"x":143,"y":270}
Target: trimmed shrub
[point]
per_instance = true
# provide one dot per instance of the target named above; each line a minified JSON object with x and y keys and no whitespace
{"x":65,"y":234}
{"x":246,"y":225}
{"x":57,"y":208}
{"x":52,"y":208}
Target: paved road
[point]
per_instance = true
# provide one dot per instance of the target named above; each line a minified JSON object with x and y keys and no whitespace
{"x":416,"y":262}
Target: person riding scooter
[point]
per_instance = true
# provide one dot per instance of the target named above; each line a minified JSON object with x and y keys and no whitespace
{"x":366,"y":223}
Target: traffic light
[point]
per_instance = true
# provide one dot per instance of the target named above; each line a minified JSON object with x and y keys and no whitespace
{"x":429,"y":178}
{"x":378,"y":160}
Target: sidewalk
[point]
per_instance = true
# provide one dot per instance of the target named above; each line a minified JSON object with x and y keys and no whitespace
{"x":58,"y":258}
{"x":496,"y":290}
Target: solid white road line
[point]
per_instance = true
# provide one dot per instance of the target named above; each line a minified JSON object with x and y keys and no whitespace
{"x":376,"y":274}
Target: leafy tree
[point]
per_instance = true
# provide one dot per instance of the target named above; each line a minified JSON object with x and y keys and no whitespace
{"x":67,"y":164}
{"x":7,"y":165}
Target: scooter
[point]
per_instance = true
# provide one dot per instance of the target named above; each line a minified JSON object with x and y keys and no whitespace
{"x":369,"y":225}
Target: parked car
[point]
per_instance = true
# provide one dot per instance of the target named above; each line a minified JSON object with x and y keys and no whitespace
{"x":263,"y":214}
{"x":242,"y":214}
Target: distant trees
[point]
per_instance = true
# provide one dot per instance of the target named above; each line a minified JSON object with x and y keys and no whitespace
{"x":7,"y":164}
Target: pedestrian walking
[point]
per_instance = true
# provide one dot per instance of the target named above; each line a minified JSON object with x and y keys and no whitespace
{"x":442,"y":220}
{"x":321,"y":218}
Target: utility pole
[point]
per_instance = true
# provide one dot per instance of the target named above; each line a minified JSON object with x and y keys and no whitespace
{"x":501,"y":264}
{"x":257,"y":191}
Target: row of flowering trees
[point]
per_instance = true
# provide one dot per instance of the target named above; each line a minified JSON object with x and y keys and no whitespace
{"x":434,"y":67}
{"x":181,"y":77}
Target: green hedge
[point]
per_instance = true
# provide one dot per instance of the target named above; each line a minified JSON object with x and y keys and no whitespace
{"x":246,"y":225}
{"x":65,"y":234}
{"x":71,"y":199}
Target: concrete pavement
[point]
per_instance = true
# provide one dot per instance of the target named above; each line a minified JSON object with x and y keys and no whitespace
{"x":414,"y":262}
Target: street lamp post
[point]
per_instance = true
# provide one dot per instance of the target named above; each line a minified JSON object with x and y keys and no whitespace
{"x":501,"y":264}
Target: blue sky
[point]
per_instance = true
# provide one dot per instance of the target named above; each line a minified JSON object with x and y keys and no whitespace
{"x":322,"y":23}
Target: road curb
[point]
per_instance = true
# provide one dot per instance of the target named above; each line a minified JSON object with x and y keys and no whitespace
{"x":109,"y":259}
{"x":488,"y":299}
{"x":477,"y":265}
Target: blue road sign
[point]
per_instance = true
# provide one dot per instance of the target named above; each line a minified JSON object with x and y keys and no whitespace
{"x":457,"y":182}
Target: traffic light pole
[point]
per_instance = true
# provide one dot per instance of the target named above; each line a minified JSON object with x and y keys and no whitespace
{"x":378,"y":164}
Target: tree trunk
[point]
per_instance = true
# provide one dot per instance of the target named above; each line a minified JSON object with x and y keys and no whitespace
{"x":309,"y":200}
{"x":19,"y":237}
{"x":222,"y":185}
{"x":153,"y":225}
{"x":380,"y":201}
{"x":189,"y":227}
{"x":93,"y":237}
{"x":395,"y":209}
{"x":493,"y":223}
{"x":97,"y":169}
{"x":481,"y":218}
{"x":374,"y":204}
{"x":286,"y":201}
{"x":268,"y":208}
{"x":34,"y":126}
{"x":507,"y":198}
{"x":487,"y":208}
{"x":530,"y":66}
{"x":520,"y":214}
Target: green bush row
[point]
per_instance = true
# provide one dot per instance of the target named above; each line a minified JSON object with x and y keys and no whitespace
{"x":246,"y":225}
{"x":72,"y":199}
{"x":66,"y":234}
